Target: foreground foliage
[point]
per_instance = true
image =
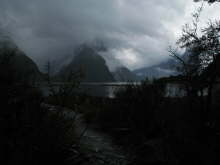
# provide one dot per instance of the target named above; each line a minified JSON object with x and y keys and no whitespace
{"x":30,"y":133}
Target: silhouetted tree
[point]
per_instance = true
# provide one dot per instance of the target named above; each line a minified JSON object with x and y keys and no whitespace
{"x":66,"y":88}
{"x":190,"y":65}
{"x":201,"y":68}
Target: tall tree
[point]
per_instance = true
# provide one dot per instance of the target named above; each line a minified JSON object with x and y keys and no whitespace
{"x":189,"y":65}
{"x":205,"y":47}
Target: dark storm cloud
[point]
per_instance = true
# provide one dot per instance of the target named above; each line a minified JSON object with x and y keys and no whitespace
{"x":137,"y":32}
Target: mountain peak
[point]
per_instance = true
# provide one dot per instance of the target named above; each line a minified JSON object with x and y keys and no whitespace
{"x":91,"y":63}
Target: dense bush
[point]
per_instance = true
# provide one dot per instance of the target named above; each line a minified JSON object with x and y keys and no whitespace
{"x":133,"y":110}
{"x":32,"y":134}
{"x":158,"y":129}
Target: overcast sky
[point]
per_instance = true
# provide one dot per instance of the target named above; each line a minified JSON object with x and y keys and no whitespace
{"x":137,"y":32}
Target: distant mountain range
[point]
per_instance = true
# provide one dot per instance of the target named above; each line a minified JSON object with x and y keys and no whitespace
{"x":88,"y":59}
{"x":123,"y":74}
{"x":164,"y":69}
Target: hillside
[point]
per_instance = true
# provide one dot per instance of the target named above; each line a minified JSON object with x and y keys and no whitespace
{"x":26,"y":67}
{"x":23,"y":67}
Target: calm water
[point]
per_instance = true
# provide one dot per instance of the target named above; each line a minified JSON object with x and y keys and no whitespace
{"x":108,"y":89}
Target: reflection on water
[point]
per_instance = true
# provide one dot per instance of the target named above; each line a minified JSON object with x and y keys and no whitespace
{"x":108,"y":89}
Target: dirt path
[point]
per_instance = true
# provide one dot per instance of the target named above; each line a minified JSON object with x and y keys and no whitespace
{"x":98,"y":146}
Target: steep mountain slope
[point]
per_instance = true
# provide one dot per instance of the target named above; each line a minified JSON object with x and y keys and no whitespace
{"x":26,"y":67}
{"x":93,"y":66}
{"x":22,"y":67}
